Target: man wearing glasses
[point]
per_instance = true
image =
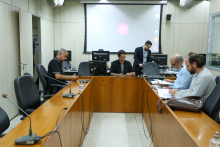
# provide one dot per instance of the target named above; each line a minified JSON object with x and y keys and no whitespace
{"x":184,"y":78}
{"x":121,"y":67}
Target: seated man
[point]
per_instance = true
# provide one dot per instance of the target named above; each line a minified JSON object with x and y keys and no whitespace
{"x":55,"y":69}
{"x":121,"y":66}
{"x":203,"y":81}
{"x":184,"y":78}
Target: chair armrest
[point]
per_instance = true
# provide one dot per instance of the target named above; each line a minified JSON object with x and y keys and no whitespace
{"x":48,"y":95}
{"x":56,"y":85}
{"x":29,"y":111}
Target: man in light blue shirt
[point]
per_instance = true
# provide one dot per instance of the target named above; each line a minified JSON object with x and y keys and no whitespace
{"x":184,"y":78}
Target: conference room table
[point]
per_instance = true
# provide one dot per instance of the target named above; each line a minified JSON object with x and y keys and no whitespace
{"x":117,"y":95}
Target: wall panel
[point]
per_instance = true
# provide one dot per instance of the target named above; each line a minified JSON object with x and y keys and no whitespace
{"x":9,"y":57}
{"x":23,"y":4}
{"x":47,"y":41}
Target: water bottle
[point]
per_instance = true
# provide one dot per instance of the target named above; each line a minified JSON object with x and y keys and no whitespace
{"x":215,"y":142}
{"x":81,"y":86}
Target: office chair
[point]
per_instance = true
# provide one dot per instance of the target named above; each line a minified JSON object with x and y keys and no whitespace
{"x":4,"y":122}
{"x":27,"y":94}
{"x":151,"y":68}
{"x":52,"y":88}
{"x":212,"y":104}
{"x":84,"y":69}
{"x":26,"y":73}
{"x":217,"y":80}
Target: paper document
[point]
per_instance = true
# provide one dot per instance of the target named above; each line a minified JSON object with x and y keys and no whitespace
{"x":161,"y":82}
{"x":164,"y":93}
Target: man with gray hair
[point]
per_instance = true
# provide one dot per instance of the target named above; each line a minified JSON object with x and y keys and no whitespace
{"x":55,"y":69}
{"x":184,"y":78}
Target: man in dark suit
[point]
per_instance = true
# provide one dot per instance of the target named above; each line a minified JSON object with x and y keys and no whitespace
{"x":121,"y":67}
{"x":141,"y":56}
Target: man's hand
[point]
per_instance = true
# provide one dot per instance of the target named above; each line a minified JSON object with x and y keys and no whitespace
{"x":168,"y":80}
{"x":130,"y":74}
{"x":173,"y":91}
{"x":74,"y":78}
{"x":140,"y":65}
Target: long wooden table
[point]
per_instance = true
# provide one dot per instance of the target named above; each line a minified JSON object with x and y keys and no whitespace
{"x":113,"y":94}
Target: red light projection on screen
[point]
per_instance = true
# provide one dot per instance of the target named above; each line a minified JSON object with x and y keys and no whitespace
{"x":122,"y":29}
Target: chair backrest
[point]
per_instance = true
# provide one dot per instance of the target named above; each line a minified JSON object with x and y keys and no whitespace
{"x":84,"y":69}
{"x":151,"y":68}
{"x":212,"y":104}
{"x":4,"y":121}
{"x":41,"y":70}
{"x":26,"y":92}
{"x":217,"y":80}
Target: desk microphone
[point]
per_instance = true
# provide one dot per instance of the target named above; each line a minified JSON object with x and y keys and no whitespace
{"x":84,"y":80}
{"x":28,"y":139}
{"x":69,"y":95}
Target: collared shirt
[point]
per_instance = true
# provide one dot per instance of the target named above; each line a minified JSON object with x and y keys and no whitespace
{"x":144,"y":56}
{"x":55,"y":66}
{"x":183,"y":80}
{"x":122,"y":68}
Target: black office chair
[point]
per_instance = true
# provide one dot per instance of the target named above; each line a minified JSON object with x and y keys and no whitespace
{"x":212,"y":104}
{"x":217,"y":80}
{"x":52,"y":88}
{"x":84,"y":69}
{"x":151,"y":68}
{"x":27,"y":94}
{"x":40,"y":91}
{"x":4,"y":122}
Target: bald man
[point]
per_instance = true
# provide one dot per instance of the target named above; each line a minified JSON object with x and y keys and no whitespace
{"x":184,"y":78}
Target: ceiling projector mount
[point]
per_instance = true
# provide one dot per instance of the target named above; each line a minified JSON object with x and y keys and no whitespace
{"x":55,"y":3}
{"x":187,"y":4}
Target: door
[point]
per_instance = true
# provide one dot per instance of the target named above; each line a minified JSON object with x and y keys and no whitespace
{"x":26,"y":44}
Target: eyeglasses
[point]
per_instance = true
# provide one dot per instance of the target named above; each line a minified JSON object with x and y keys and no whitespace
{"x":174,"y":63}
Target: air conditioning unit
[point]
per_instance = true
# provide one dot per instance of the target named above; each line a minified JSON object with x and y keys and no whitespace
{"x":187,"y":4}
{"x":55,"y":3}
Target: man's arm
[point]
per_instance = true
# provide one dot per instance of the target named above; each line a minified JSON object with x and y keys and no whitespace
{"x":186,"y":79}
{"x":130,"y":70}
{"x":197,"y":90}
{"x":136,"y":52}
{"x":62,"y":77}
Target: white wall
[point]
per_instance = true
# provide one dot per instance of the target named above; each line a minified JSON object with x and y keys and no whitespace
{"x":9,"y":43}
{"x":186,"y":32}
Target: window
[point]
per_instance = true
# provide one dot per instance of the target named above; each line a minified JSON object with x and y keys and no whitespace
{"x":213,"y":49}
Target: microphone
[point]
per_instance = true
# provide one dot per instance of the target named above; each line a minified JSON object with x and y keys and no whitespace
{"x":84,"y":80}
{"x":28,"y":139}
{"x":69,"y":95}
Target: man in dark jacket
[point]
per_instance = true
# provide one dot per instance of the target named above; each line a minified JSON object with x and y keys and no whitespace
{"x":141,"y":56}
{"x":121,"y":67}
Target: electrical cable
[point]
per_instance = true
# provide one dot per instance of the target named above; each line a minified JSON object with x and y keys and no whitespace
{"x":151,"y":132}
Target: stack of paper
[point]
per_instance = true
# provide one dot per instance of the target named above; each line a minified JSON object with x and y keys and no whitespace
{"x":161,"y":82}
{"x":164,"y":93}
